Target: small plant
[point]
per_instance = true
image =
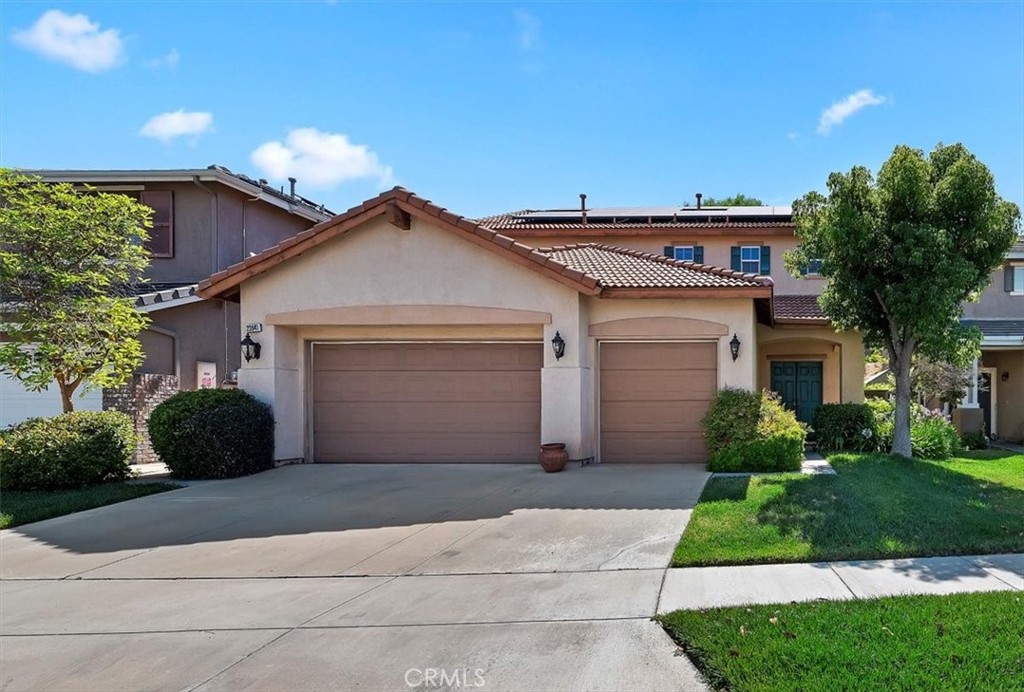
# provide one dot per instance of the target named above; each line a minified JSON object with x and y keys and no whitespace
{"x":976,"y":439}
{"x":849,"y":427}
{"x":933,"y":437}
{"x":213,"y":433}
{"x":752,"y":431}
{"x":67,"y":451}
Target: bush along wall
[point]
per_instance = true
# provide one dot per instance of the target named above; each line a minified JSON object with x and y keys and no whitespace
{"x":67,"y":451}
{"x":752,"y":431}
{"x":213,"y":433}
{"x":848,"y":427}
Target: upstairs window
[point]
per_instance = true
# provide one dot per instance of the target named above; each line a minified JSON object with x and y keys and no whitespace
{"x":813,"y":267}
{"x":750,"y":259}
{"x":1014,"y":279}
{"x":686,"y":253}
{"x":161,"y":235}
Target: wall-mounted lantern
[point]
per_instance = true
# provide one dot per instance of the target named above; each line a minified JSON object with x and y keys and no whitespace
{"x":250,"y":349}
{"x":734,"y":347}
{"x":558,"y":344}
{"x":1005,"y":376}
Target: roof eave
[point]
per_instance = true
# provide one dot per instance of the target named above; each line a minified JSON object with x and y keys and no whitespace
{"x":684,"y":292}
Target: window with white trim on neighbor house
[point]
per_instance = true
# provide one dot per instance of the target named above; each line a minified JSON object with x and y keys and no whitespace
{"x":1015,"y":279}
{"x":750,"y":259}
{"x":684,"y":253}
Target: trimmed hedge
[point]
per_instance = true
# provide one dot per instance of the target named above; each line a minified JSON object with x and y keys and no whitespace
{"x":845,"y":427}
{"x":67,"y":451}
{"x":213,"y":433}
{"x":752,"y":431}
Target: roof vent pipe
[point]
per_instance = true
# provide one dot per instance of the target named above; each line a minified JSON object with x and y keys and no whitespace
{"x":292,"y":181}
{"x":699,"y":195}
{"x":583,"y":207}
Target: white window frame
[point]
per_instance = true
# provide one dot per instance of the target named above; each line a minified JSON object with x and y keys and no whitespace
{"x":677,"y":248}
{"x":744,"y":261}
{"x":1018,"y":279}
{"x":811,"y":273}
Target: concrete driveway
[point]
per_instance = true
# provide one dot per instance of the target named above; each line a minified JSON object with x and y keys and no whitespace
{"x":355,"y":577}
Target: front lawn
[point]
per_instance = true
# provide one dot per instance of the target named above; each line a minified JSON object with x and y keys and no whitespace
{"x":955,"y":642}
{"x":26,"y":506}
{"x":875,"y":506}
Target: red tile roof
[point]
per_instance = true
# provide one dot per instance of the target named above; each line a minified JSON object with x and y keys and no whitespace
{"x":797,"y":308}
{"x":590,"y":269}
{"x":616,"y":267}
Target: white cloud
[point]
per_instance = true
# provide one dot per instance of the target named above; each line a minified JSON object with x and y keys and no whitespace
{"x":320,"y":159}
{"x":843,"y":109}
{"x":179,"y":123}
{"x":170,"y":60}
{"x":529,"y":29}
{"x":73,"y":39}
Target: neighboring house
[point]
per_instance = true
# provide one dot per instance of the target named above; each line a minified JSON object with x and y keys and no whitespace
{"x":399,"y":331}
{"x":995,"y":403}
{"x":204,"y":220}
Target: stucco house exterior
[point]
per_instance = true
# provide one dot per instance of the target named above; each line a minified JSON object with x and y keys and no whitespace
{"x":995,"y":400}
{"x":400,"y":332}
{"x":205,"y":220}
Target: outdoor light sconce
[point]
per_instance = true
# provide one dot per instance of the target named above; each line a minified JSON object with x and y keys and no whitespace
{"x":250,"y":349}
{"x":734,"y":346}
{"x":558,"y":344}
{"x":1005,"y":376}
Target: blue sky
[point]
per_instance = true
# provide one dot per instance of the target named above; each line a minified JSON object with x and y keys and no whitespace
{"x":496,"y":106}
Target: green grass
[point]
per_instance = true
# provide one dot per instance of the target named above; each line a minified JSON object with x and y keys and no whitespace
{"x":955,"y":642}
{"x":26,"y":506}
{"x":875,"y":506}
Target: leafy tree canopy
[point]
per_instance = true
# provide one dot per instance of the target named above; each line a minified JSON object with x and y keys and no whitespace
{"x":66,"y":258}
{"x":737,"y":200}
{"x":903,"y":252}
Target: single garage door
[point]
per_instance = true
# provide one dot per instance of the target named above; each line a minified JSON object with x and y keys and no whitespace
{"x":653,"y":396}
{"x":426,"y":402}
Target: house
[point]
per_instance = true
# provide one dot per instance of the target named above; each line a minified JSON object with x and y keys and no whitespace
{"x":995,"y":401}
{"x":399,"y":331}
{"x":204,"y":220}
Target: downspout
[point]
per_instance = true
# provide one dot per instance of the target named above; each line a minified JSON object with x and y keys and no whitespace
{"x":215,"y":235}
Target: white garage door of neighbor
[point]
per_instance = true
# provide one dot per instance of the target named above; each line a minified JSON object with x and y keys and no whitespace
{"x":426,"y":402}
{"x":18,"y":404}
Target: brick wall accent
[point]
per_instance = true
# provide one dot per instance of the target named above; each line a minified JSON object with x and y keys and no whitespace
{"x":138,"y":397}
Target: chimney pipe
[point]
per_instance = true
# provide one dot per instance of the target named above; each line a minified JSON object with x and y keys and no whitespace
{"x":583,"y":207}
{"x":699,"y":195}
{"x":293,"y":181}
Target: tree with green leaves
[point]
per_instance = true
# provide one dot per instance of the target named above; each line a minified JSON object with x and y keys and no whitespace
{"x":737,"y":200}
{"x":903,"y":252}
{"x":67,"y":258}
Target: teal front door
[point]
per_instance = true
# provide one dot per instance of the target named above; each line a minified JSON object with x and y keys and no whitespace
{"x":798,"y":383}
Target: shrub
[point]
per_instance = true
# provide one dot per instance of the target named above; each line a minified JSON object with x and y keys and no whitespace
{"x":752,"y":431}
{"x":845,"y":427}
{"x":67,"y":451}
{"x":213,"y":433}
{"x":933,"y":437}
{"x":974,"y":440}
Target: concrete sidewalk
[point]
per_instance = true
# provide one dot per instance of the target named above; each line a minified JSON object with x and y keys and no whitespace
{"x":695,"y":588}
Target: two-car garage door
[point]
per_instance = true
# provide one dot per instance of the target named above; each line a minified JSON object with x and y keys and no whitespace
{"x":426,"y":402}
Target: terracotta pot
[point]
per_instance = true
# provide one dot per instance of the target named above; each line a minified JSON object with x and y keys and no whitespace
{"x":553,"y":457}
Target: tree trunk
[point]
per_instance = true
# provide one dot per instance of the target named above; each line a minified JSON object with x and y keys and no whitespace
{"x":66,"y":391}
{"x":901,"y":418}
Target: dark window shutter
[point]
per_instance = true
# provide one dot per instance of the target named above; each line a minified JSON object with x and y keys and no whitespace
{"x":698,"y":254}
{"x":161,"y":235}
{"x":1008,"y":278}
{"x":734,"y":251}
{"x":766,"y":260}
{"x":670,"y":251}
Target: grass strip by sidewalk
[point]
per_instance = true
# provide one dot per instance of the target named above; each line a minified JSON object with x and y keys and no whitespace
{"x":26,"y":506}
{"x":875,"y":507}
{"x":954,"y":642}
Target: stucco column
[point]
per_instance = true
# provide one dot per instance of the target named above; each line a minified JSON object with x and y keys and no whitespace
{"x":274,"y":379}
{"x":565,"y":387}
{"x":971,"y":399}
